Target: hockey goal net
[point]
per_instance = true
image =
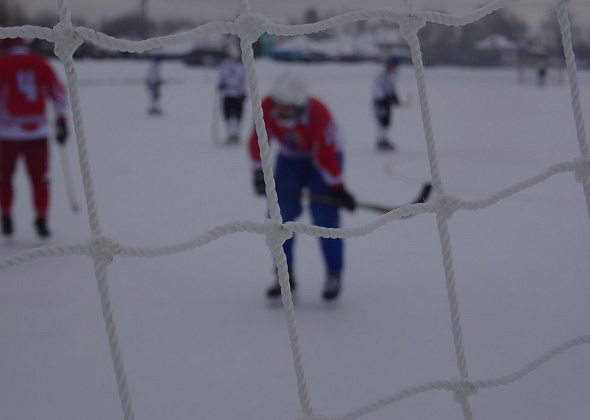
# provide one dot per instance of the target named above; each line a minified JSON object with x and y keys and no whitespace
{"x":249,"y":27}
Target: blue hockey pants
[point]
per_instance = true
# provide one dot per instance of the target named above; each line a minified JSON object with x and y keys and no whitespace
{"x":292,"y":175}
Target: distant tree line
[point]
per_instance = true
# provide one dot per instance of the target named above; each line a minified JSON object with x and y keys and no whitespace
{"x":440,"y":44}
{"x":130,"y":26}
{"x":439,"y":40}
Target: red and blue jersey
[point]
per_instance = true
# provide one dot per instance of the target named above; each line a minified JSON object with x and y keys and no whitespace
{"x":314,"y":135}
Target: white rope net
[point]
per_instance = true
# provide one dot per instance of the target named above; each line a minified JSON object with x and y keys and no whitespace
{"x":249,"y":27}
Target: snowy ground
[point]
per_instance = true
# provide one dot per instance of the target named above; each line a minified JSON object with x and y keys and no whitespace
{"x":197,"y":336}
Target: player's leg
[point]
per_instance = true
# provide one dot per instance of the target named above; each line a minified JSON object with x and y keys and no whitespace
{"x":236,"y":104}
{"x":289,"y":180}
{"x":383,"y":120}
{"x":9,"y":152}
{"x":228,"y":117}
{"x":37,"y":162}
{"x":328,"y":216}
{"x":154,"y":108}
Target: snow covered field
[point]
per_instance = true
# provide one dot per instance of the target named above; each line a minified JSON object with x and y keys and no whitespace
{"x":198,"y":338}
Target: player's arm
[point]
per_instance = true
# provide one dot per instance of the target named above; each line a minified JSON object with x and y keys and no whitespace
{"x":254,"y":150}
{"x":326,"y":154}
{"x":56,"y":90}
{"x":58,"y":94}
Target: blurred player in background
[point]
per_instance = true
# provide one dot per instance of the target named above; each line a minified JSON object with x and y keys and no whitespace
{"x":542,"y":74}
{"x":309,"y":157}
{"x":384,"y":98}
{"x":232,"y":88}
{"x":27,"y":81}
{"x":154,"y":83}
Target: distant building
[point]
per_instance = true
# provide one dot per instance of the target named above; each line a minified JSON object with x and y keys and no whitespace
{"x":295,"y":48}
{"x":389,"y":42}
{"x":345,"y":47}
{"x":496,"y":51}
{"x":207,"y":49}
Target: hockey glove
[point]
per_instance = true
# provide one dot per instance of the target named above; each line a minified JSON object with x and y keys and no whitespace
{"x":61,"y":131}
{"x":344,"y":198}
{"x":259,"y":185}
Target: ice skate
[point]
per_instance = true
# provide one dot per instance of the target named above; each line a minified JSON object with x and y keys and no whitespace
{"x":154,"y":110}
{"x":332,"y":286}
{"x":41,"y":228}
{"x":7,"y":228}
{"x":274,"y":291}
{"x":233,"y":139}
{"x":385,"y":145}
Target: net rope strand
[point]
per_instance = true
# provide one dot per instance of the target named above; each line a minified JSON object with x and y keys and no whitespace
{"x":248,"y":27}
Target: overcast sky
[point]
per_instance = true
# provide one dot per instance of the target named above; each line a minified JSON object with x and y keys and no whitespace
{"x":279,"y":11}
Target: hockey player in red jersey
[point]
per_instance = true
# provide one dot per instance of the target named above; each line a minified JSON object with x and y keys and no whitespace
{"x":309,"y":157}
{"x":27,"y":81}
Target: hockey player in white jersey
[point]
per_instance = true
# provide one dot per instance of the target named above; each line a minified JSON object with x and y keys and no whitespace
{"x":384,"y":98}
{"x":232,"y":88}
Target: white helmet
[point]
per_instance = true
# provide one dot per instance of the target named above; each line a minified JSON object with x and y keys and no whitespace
{"x":289,"y":88}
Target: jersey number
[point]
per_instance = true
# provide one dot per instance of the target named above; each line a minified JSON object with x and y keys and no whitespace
{"x":25,"y":81}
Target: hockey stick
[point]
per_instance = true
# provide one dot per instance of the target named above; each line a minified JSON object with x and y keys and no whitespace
{"x":326,"y":199}
{"x":67,"y":174}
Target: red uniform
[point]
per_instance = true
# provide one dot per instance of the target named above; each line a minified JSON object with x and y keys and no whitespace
{"x":313,"y":136}
{"x":27,"y":81}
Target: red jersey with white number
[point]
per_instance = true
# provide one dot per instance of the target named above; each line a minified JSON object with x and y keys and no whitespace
{"x":27,"y":81}
{"x":313,"y":135}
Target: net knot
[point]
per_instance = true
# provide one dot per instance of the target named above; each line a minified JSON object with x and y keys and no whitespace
{"x":446,"y":205}
{"x":276,"y":232}
{"x":67,"y":40}
{"x":103,"y":248}
{"x":463,"y":388}
{"x":251,"y":26}
{"x":582,"y":169}
{"x":411,"y":23}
